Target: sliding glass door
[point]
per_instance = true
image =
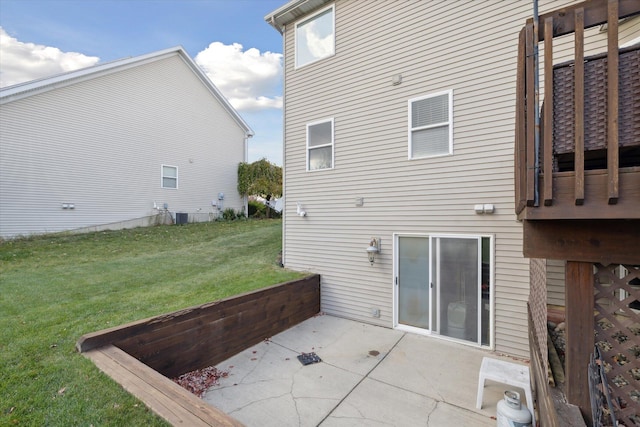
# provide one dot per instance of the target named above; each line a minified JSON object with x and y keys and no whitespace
{"x":442,"y":285}
{"x":413,"y":281}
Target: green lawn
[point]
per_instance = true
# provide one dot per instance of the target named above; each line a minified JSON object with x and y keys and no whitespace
{"x":56,"y":288}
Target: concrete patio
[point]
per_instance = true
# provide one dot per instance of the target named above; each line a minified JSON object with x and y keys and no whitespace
{"x":368,"y":376}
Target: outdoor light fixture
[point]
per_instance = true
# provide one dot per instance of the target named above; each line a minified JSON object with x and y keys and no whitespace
{"x":300,"y":210}
{"x":373,"y":249}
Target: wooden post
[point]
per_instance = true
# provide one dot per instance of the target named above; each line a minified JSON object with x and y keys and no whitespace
{"x":612,"y":101}
{"x":531,"y":107}
{"x":548,"y":112}
{"x":578,"y":71}
{"x":579,"y":333}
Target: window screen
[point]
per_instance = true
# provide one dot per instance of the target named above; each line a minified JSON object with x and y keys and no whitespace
{"x":169,"y":177}
{"x":320,"y":145}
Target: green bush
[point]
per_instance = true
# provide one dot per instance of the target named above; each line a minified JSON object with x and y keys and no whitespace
{"x":229,"y":214}
{"x":257,"y":209}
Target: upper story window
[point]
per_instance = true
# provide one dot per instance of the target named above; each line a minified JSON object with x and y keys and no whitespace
{"x":169,"y":176}
{"x":315,"y":37}
{"x":431,"y":125}
{"x":320,"y":145}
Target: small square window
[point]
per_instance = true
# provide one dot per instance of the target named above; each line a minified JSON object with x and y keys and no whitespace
{"x":431,"y":125}
{"x":320,"y":145}
{"x":169,"y":176}
{"x":315,"y":37}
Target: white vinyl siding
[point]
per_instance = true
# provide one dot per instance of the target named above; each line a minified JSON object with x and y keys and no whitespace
{"x":320,"y":145}
{"x":169,"y":176}
{"x":109,"y":135}
{"x":431,"y":125}
{"x":315,"y":37}
{"x":467,"y":47}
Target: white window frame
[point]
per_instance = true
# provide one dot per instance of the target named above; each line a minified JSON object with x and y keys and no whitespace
{"x":306,"y":20}
{"x":162,"y":177}
{"x":331,"y":144}
{"x":449,"y":123}
{"x":432,"y":254}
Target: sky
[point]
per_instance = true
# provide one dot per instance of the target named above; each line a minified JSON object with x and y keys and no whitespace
{"x":228,"y":39}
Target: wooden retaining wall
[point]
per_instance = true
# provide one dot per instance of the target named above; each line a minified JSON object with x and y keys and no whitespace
{"x":142,"y":356}
{"x":205,"y":335}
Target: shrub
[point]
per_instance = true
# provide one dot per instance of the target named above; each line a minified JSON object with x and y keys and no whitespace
{"x":256,"y":209}
{"x":229,"y":214}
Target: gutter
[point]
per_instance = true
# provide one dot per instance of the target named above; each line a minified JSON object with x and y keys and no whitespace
{"x":272,"y":18}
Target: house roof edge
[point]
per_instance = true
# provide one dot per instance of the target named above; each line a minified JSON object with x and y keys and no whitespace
{"x":26,"y":89}
{"x":291,"y":11}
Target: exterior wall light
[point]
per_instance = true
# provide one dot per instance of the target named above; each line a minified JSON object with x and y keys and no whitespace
{"x":373,"y":249}
{"x":300,"y":210}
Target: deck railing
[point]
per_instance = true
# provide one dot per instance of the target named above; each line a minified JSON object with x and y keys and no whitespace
{"x":534,"y":163}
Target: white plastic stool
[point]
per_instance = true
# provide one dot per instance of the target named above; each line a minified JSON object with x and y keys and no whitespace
{"x":505,"y":372}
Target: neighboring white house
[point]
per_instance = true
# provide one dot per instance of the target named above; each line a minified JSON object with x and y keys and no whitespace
{"x":399,"y":130}
{"x":114,"y":145}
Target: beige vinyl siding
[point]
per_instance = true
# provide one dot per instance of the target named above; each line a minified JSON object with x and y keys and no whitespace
{"x":555,"y":282}
{"x":100,"y":144}
{"x":467,"y":47}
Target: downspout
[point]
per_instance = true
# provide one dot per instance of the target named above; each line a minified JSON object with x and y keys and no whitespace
{"x":536,"y":100}
{"x":245,"y":199}
{"x":284,"y":153}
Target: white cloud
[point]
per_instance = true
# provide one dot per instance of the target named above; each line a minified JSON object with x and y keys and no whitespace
{"x":21,"y":62}
{"x":244,"y":77}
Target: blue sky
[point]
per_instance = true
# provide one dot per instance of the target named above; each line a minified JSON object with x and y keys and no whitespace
{"x":229,"y":39}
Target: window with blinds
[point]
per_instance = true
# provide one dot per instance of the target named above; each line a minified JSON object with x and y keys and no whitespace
{"x":431,"y":125}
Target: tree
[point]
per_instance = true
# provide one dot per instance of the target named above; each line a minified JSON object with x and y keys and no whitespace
{"x":260,"y":178}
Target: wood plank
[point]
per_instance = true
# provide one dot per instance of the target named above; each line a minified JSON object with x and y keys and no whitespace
{"x":595,"y":202}
{"x":226,"y":311}
{"x":548,"y":113}
{"x":595,"y":14}
{"x":606,"y":241}
{"x":164,"y":397}
{"x":579,"y":333}
{"x":579,"y":108}
{"x":612,"y":101}
{"x":258,"y":315}
{"x":213,"y":342}
{"x":531,"y":155}
{"x":521,"y":120}
{"x":218,"y":309}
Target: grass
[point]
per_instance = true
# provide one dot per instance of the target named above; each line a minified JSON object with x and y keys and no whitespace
{"x":56,"y":288}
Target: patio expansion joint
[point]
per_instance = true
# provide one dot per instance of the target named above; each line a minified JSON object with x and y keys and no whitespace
{"x":363,"y":378}
{"x":253,"y":402}
{"x":434,"y":409}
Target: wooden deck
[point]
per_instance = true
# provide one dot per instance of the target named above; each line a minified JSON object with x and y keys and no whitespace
{"x":607,"y":136}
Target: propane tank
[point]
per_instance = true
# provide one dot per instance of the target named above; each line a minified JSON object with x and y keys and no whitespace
{"x":511,"y":413}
